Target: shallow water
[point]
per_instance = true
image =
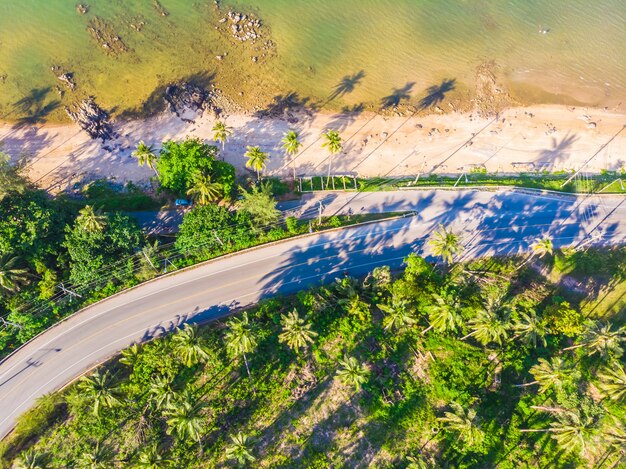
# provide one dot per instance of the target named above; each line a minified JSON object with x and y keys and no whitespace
{"x":383,"y":45}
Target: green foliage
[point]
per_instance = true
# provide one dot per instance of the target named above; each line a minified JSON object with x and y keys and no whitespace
{"x":180,"y":161}
{"x":261,"y":206}
{"x":561,"y":318}
{"x":92,"y":251}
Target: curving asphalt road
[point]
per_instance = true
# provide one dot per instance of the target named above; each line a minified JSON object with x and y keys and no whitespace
{"x":502,"y":222}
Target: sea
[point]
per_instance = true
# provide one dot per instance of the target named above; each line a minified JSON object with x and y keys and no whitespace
{"x":336,"y":53}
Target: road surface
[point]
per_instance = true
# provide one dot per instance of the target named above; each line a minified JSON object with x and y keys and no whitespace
{"x":501,"y":222}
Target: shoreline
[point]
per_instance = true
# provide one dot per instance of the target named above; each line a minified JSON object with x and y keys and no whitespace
{"x":539,"y":138}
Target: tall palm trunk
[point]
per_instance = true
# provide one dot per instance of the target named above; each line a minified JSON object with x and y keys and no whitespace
{"x":330,"y":161}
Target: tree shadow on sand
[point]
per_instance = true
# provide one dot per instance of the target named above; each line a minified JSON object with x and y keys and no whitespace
{"x":35,"y":106}
{"x":283,"y":104}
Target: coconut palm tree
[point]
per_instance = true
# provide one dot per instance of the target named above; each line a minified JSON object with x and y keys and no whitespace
{"x":238,"y":449}
{"x":445,"y":314}
{"x":352,"y":373}
{"x":160,"y":393}
{"x":184,"y":418}
{"x":540,"y":248}
{"x":90,"y":219}
{"x":203,"y":190}
{"x":598,"y":338}
{"x":296,"y":333}
{"x":99,"y":457}
{"x":30,"y":459}
{"x":530,"y":329}
{"x":332,"y":141}
{"x":240,"y":338}
{"x":446,"y":244}
{"x":551,"y":374}
{"x":291,"y":145}
{"x":99,"y":391}
{"x":130,"y":355}
{"x":463,"y":422}
{"x":188,"y":346}
{"x":221,"y":132}
{"x":151,"y":458}
{"x":11,"y":276}
{"x":397,"y":315}
{"x":570,"y":429}
{"x":257,"y":160}
{"x":488,"y":326}
{"x":612,"y":381}
{"x":145,"y":155}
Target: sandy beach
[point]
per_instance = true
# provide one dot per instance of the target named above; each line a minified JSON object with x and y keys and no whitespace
{"x":524,"y":139}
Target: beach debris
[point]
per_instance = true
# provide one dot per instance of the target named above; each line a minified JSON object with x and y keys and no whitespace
{"x":103,"y":33}
{"x":543,"y":30}
{"x":68,"y":80}
{"x":81,"y":8}
{"x":159,"y":8}
{"x":137,"y":23}
{"x":592,"y":125}
{"x":3,"y":78}
{"x":92,"y":119}
{"x":182,"y":96}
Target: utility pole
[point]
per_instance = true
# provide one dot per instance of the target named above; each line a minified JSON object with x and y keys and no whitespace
{"x":148,"y":259}
{"x":165,"y":265}
{"x":320,"y":208}
{"x":6,"y":323}
{"x":69,"y":292}
{"x":218,"y":238}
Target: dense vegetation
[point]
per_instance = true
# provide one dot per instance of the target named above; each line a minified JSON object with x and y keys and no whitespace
{"x":477,"y":365}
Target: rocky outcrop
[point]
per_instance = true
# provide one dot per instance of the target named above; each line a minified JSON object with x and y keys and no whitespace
{"x":92,"y":119}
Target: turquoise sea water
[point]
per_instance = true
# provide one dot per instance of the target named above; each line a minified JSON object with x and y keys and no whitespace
{"x":385,"y":44}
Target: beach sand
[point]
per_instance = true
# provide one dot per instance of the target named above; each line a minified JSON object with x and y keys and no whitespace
{"x":520,"y":140}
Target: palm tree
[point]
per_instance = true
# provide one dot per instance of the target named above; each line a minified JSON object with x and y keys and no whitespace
{"x":550,"y":374}
{"x":291,"y":145}
{"x":598,"y":338}
{"x":463,"y":422}
{"x":130,"y":355}
{"x":11,"y":276}
{"x":188,"y":346}
{"x":91,"y":220}
{"x":612,"y":381}
{"x":30,"y":459}
{"x":488,"y":326}
{"x":445,"y":314}
{"x":296,"y":332}
{"x":352,"y":373}
{"x":145,"y":155}
{"x":99,"y":391}
{"x":257,"y":160}
{"x":238,"y":449}
{"x":397,"y":315}
{"x":161,"y":393}
{"x":98,"y":458}
{"x":530,"y":329}
{"x":541,"y":247}
{"x":334,"y":145}
{"x":204,"y":190}
{"x":150,"y":458}
{"x":570,"y":429}
{"x":445,"y":243}
{"x":221,"y":132}
{"x":184,"y":418}
{"x":240,"y":338}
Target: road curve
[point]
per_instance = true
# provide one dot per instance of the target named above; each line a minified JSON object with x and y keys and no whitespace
{"x":501,"y":222}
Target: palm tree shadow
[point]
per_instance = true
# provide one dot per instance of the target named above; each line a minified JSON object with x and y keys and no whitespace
{"x":559,"y":151}
{"x":397,"y":96}
{"x":436,"y":93}
{"x":346,"y":85}
{"x":283,"y":104}
{"x":35,"y":106}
